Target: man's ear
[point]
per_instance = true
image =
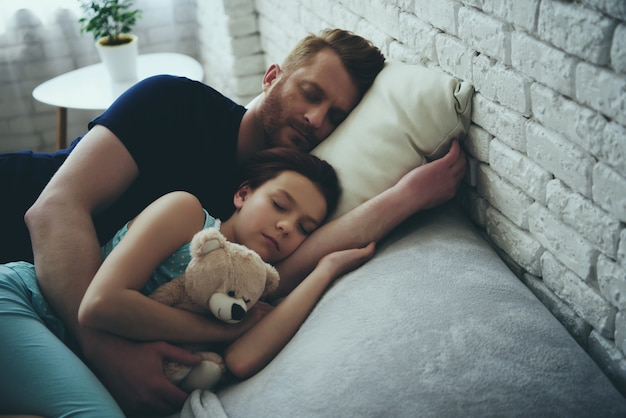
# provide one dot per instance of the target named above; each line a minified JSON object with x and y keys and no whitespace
{"x":241,"y":195}
{"x":272,"y":74}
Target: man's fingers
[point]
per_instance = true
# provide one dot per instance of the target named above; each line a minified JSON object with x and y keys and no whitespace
{"x":176,"y":354}
{"x":456,"y":158}
{"x":455,"y":150}
{"x":453,"y":155}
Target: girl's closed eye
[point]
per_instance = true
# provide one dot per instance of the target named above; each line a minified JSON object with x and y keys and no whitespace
{"x":279,"y":206}
{"x":304,"y":230}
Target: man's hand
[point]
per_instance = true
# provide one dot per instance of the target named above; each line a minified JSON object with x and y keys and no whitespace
{"x":435,"y":182}
{"x":133,"y":373}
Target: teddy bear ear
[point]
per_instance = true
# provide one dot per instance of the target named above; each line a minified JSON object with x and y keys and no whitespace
{"x":205,"y":241}
{"x":272,"y":279}
{"x":210,"y":245}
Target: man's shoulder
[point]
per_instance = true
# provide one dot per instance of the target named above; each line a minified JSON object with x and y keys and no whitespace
{"x":193,"y":92}
{"x":172,"y":84}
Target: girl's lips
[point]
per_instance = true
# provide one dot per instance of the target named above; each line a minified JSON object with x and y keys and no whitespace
{"x":272,"y":241}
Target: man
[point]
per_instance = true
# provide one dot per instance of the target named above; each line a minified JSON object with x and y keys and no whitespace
{"x":173,"y":134}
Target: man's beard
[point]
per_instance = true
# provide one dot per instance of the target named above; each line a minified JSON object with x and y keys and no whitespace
{"x":274,"y":119}
{"x":271,"y":114}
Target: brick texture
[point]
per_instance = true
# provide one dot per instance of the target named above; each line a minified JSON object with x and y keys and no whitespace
{"x":547,"y":159}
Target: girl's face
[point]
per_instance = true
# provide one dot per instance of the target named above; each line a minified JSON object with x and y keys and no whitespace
{"x":276,"y":217}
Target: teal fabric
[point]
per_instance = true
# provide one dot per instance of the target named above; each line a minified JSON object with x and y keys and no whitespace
{"x":40,"y":374}
{"x":169,"y":269}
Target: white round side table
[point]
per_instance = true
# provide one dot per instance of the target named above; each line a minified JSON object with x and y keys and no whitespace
{"x":90,"y":88}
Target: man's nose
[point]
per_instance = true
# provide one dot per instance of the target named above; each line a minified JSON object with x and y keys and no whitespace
{"x":315,"y":116}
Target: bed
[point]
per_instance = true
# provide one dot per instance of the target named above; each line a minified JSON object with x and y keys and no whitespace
{"x":436,"y":324}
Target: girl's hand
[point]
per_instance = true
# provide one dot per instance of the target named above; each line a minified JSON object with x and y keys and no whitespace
{"x":258,"y":312}
{"x":255,"y":349}
{"x":339,"y":263}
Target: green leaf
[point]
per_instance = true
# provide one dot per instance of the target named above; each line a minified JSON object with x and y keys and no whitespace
{"x":108,"y":18}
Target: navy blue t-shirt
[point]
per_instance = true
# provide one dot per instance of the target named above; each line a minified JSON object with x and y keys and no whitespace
{"x":23,"y":175}
{"x":181,"y":133}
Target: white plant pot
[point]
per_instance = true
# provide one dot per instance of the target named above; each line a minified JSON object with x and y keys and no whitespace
{"x":120,"y":60}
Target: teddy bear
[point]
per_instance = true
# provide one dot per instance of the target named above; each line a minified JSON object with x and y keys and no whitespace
{"x":223,"y":279}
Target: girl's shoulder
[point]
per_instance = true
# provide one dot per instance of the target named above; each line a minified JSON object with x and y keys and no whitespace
{"x":181,"y":200}
{"x":179,"y":214}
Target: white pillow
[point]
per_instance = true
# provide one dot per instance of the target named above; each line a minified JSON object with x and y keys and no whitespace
{"x":408,"y":117}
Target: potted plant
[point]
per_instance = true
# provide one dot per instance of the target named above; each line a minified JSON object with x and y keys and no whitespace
{"x":111,"y":22}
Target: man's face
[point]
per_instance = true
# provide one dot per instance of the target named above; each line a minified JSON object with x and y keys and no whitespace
{"x":302,"y":108}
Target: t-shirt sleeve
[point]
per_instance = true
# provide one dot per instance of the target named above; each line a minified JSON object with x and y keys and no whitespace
{"x":147,"y":117}
{"x":182,"y":135}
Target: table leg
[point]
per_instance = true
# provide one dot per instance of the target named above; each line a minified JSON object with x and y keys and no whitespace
{"x":61,"y":127}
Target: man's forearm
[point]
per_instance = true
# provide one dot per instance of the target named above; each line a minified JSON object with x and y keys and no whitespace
{"x":65,"y":244}
{"x":368,"y":222}
{"x":422,"y":188}
{"x":64,"y":260}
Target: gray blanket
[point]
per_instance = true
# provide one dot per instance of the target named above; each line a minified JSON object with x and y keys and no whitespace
{"x":435,"y":325}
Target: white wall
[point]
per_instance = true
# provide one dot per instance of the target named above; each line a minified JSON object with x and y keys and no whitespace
{"x":42,"y":42}
{"x":547,"y":144}
{"x":230,"y":47}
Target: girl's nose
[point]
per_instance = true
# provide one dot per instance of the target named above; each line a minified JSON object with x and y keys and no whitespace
{"x":285,"y":226}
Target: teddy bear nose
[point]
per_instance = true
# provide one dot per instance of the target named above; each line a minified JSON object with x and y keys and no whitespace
{"x":237,"y":312}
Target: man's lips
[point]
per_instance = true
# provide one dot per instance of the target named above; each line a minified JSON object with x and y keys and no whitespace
{"x":304,"y":136}
{"x":272,"y":241}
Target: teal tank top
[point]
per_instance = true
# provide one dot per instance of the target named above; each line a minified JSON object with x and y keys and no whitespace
{"x":171,"y":267}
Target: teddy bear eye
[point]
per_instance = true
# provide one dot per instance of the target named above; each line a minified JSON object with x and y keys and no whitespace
{"x":231,"y":293}
{"x":246,"y":301}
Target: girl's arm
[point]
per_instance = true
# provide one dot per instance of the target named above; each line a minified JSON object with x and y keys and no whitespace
{"x":113,"y":301}
{"x":256,"y":348}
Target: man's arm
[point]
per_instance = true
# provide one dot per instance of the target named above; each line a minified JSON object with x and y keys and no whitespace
{"x":67,"y":256}
{"x":65,"y":244}
{"x":422,"y":188}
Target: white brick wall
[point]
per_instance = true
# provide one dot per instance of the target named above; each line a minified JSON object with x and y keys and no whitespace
{"x":230,"y":47}
{"x":547,"y":147}
{"x":590,"y":34}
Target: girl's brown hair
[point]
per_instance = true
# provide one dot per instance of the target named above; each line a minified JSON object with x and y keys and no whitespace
{"x":267,"y":164}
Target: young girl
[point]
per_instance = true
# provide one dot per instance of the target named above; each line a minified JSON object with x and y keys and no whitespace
{"x":285,"y":195}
